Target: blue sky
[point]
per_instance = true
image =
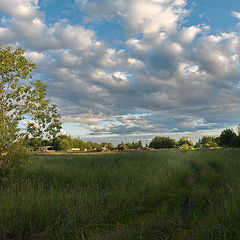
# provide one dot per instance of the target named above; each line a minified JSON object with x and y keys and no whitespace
{"x":129,"y":70}
{"x":213,"y":13}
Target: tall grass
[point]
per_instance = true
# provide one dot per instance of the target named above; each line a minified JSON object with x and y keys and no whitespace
{"x":137,"y":195}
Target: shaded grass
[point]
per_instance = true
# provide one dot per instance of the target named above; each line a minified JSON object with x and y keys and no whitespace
{"x":137,"y":195}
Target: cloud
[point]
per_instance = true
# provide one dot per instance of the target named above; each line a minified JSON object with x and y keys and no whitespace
{"x":188,"y":34}
{"x":236,"y":14}
{"x":27,"y":26}
{"x":22,"y":9}
{"x":155,"y":15}
{"x":165,"y":77}
{"x":34,"y":56}
{"x":146,"y":16}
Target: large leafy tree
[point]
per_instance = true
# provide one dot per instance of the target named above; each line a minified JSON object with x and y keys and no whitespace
{"x":162,"y":142}
{"x":227,"y":137}
{"x":24,"y":109}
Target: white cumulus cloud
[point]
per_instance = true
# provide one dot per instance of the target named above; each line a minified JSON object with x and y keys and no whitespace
{"x":236,"y":14}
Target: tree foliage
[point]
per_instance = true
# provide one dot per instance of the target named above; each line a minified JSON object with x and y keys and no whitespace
{"x":133,"y":145}
{"x":162,"y":142}
{"x":107,"y":145}
{"x":227,"y":137}
{"x":66,"y":142}
{"x":22,"y":99}
{"x":185,"y":141}
{"x":207,"y":142}
{"x":13,"y":162}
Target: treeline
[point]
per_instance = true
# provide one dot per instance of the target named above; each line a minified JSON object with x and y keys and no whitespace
{"x":228,"y":138}
{"x":183,"y":143}
{"x":132,"y":145}
{"x":66,"y":142}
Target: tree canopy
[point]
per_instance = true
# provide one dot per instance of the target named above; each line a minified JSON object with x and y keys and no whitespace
{"x":162,"y":142}
{"x":23,"y":99}
{"x":227,"y":136}
{"x":25,"y":112}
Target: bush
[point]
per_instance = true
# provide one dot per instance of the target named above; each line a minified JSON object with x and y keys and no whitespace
{"x":207,"y":142}
{"x":13,"y":161}
{"x":185,"y":141}
{"x":210,"y":144}
{"x":186,"y":147}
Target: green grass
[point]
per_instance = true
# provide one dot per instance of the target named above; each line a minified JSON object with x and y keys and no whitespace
{"x":125,"y":196}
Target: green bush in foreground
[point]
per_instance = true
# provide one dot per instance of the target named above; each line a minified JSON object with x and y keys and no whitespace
{"x":13,"y":162}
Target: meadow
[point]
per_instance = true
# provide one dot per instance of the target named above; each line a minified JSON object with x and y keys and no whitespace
{"x":152,"y":195}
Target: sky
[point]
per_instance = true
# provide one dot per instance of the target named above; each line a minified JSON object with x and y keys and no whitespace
{"x":133,"y":69}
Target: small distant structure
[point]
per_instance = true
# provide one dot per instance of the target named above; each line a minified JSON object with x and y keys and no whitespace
{"x":103,"y":149}
{"x":121,"y":148}
{"x":74,"y":150}
{"x":146,"y":149}
{"x":45,"y":148}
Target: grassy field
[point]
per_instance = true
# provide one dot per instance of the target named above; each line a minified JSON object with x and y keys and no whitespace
{"x":165,"y":195}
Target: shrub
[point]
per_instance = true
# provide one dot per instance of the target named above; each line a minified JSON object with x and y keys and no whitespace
{"x":13,"y":161}
{"x":186,"y":147}
{"x":185,"y":140}
{"x":207,"y":142}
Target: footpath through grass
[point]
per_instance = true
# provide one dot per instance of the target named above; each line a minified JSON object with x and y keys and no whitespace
{"x":125,"y":196}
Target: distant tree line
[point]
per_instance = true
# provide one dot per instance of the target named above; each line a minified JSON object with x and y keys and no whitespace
{"x":66,"y":142}
{"x":132,"y":145}
{"x":227,"y":138}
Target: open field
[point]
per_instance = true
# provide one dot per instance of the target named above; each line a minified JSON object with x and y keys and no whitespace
{"x":125,"y":196}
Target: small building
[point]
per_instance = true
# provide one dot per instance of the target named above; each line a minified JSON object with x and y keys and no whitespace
{"x":45,"y":148}
{"x":74,"y":150}
{"x":103,"y":149}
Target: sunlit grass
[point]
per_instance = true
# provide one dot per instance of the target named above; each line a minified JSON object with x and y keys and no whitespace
{"x":135,"y":195}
